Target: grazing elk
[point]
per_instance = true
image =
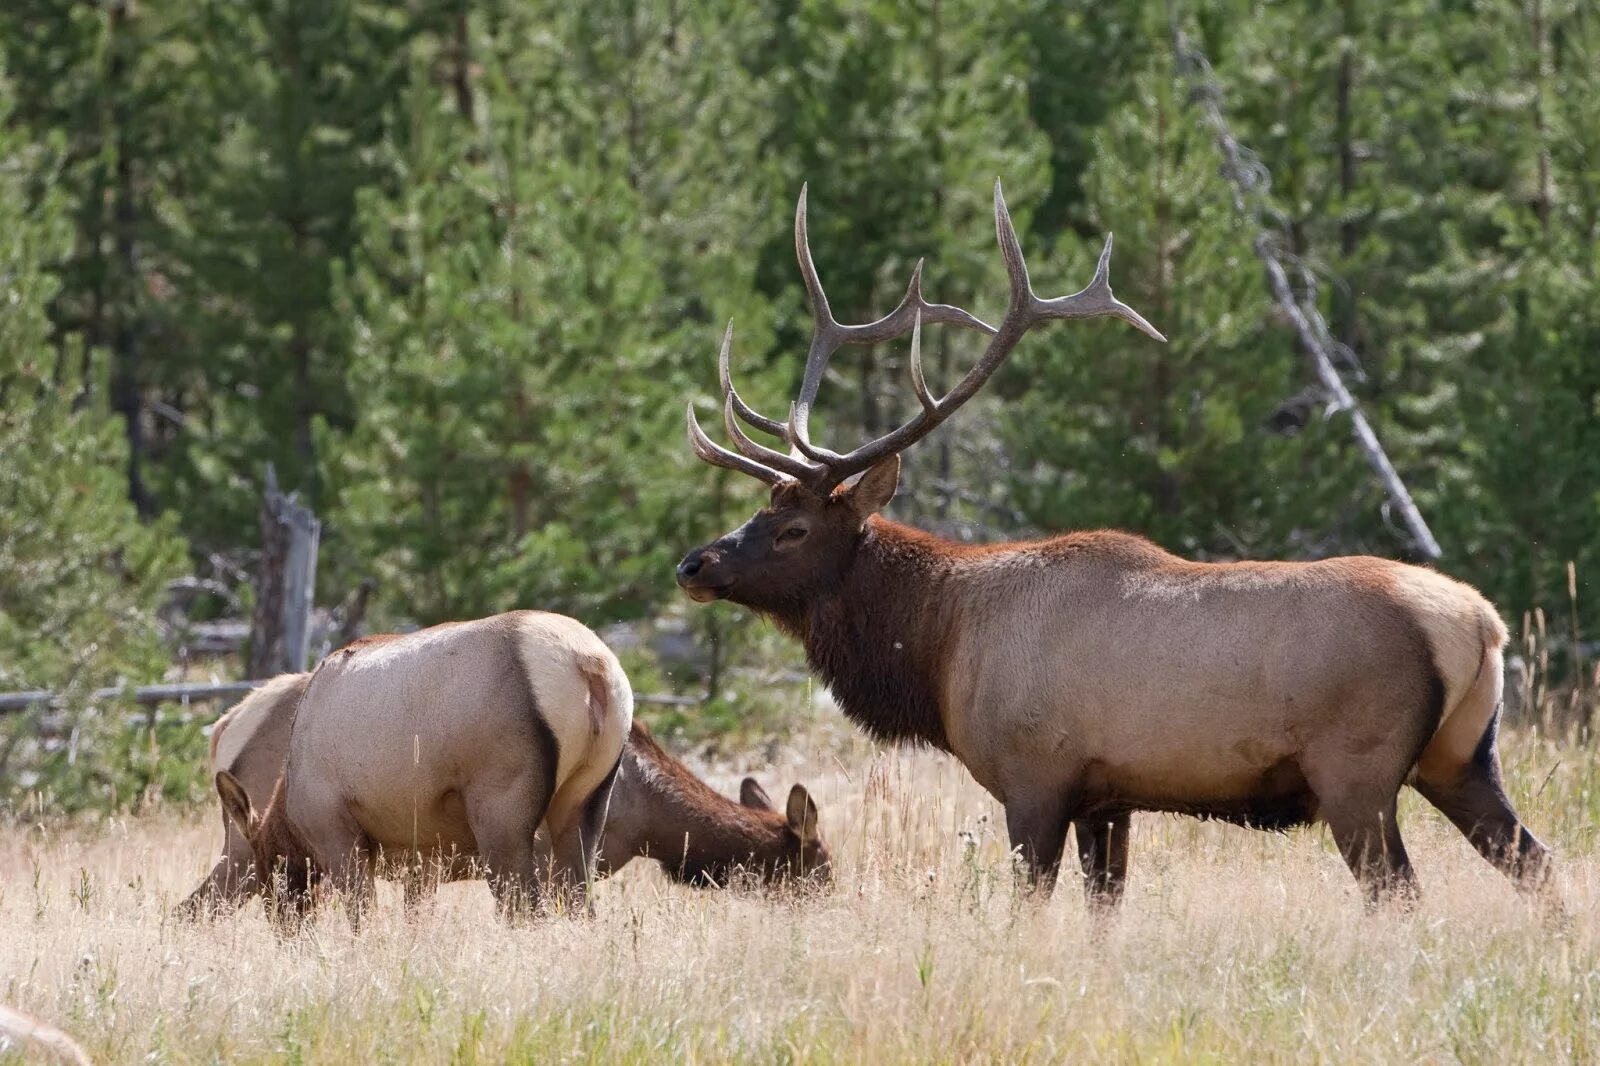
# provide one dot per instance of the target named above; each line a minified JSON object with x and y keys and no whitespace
{"x":452,"y":745}
{"x":659,"y":810}
{"x":250,"y":742}
{"x":1088,"y":676}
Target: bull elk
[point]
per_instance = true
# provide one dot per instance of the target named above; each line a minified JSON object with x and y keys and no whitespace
{"x":659,"y":810}
{"x":453,"y":744}
{"x":1092,"y":675}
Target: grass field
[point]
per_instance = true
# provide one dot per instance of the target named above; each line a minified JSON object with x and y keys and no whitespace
{"x":1232,"y":947}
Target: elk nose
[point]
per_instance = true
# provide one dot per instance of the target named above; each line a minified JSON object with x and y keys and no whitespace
{"x":691,"y":565}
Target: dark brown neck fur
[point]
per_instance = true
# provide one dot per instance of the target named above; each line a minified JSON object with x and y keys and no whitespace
{"x":878,"y":639}
{"x":697,"y":835}
{"x":279,"y":844}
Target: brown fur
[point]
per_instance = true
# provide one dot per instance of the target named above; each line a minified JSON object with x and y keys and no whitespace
{"x":662,"y":811}
{"x":1090,"y":675}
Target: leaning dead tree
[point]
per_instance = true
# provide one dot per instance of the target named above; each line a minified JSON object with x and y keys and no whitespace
{"x":1250,"y":181}
{"x":280,"y":633}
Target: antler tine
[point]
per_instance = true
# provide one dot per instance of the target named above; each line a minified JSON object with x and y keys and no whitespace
{"x":808,"y":266}
{"x":768,"y":457}
{"x":824,"y":332}
{"x":1011,"y":252}
{"x":918,"y":382}
{"x":744,"y":410}
{"x":897,"y":323}
{"x":1025,"y":311}
{"x":710,"y":451}
{"x":1095,"y":300}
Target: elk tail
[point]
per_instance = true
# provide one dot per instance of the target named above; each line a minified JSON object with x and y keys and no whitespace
{"x":598,"y":674}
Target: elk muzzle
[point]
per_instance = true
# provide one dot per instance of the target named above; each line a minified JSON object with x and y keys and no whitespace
{"x":700,"y":575}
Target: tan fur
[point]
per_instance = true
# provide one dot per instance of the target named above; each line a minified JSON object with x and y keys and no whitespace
{"x":35,"y":1041}
{"x":1467,"y":637}
{"x":434,"y":745}
{"x":657,"y":800}
{"x":1213,"y":672}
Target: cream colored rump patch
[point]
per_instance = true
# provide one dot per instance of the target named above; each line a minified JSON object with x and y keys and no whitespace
{"x":555,"y":649}
{"x":1461,"y":626}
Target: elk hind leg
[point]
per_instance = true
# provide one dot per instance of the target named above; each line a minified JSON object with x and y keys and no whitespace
{"x":1474,"y":799}
{"x":1103,"y":854}
{"x":1368,"y":836}
{"x":576,"y":831}
{"x":503,"y":821}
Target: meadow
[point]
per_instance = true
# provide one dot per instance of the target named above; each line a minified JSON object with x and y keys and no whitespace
{"x":1232,"y":946}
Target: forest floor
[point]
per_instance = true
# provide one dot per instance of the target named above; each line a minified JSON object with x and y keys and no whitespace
{"x":1232,"y":947}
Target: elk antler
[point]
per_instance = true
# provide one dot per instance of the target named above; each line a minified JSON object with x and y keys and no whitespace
{"x":820,"y":469}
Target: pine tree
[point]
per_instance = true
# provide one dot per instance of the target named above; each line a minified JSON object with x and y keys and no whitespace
{"x":297,"y":93}
{"x":534,"y":305}
{"x":114,"y":82}
{"x":1107,"y":429}
{"x":80,"y":574}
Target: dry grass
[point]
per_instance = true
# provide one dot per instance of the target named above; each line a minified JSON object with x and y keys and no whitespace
{"x":1233,"y":947}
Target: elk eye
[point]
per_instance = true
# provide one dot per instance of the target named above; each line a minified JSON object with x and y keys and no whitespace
{"x":792,"y":534}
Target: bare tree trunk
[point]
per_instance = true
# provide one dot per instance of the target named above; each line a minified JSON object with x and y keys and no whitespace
{"x":280,"y":632}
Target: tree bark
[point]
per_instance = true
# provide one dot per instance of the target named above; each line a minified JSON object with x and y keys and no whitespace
{"x":280,"y":631}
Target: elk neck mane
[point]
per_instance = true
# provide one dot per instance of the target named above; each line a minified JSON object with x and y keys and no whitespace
{"x":877,"y":638}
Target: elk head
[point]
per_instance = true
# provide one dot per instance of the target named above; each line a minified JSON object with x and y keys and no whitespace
{"x":804,"y":854}
{"x":281,"y":860}
{"x":802,"y":542}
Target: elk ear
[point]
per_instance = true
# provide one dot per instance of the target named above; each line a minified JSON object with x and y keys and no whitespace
{"x":876,"y":488}
{"x":802,"y":815}
{"x":236,"y":804}
{"x":751,"y":794}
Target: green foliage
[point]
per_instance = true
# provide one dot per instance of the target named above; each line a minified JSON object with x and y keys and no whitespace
{"x":1111,"y":430}
{"x":80,"y":575}
{"x":532,"y":306}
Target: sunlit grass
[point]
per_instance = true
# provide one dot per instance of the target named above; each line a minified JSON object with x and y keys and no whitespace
{"x":1233,"y":947}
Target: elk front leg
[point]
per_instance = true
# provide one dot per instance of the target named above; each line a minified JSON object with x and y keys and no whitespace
{"x":1037,"y":823}
{"x":1103,"y":854}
